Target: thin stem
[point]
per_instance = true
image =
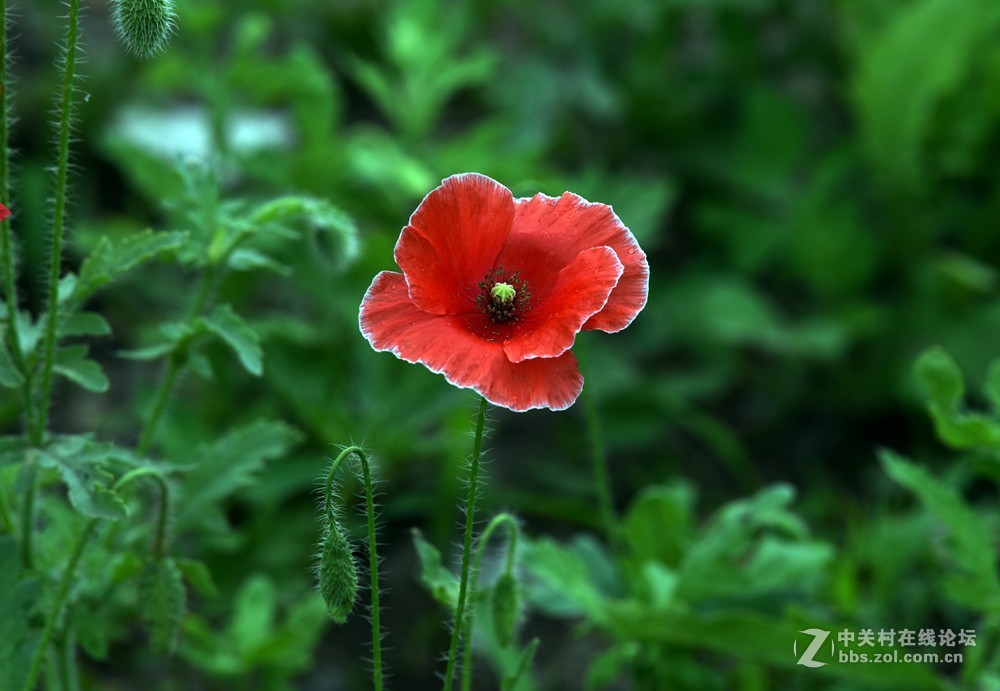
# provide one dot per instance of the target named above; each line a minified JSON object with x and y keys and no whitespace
{"x":57,"y":606}
{"x":7,"y":234}
{"x":58,"y":221}
{"x":159,"y":404}
{"x":160,"y":536}
{"x":515,"y":533}
{"x":372,"y":550}
{"x":599,"y":460}
{"x":175,"y":363}
{"x":28,"y":514}
{"x":464,"y":592}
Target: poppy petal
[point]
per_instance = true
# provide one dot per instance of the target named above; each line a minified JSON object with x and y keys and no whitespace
{"x":580,"y":290}
{"x":452,"y":240}
{"x":4,"y":212}
{"x":565,"y":226}
{"x":391,"y":322}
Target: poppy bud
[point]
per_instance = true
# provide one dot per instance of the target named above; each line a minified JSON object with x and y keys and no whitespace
{"x":506,"y":603}
{"x":338,"y":575}
{"x":144,"y":26}
{"x":163,"y":603}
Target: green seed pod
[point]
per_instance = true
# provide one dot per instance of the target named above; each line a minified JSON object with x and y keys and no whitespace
{"x":162,"y":603}
{"x":338,"y":575}
{"x":144,"y":26}
{"x":506,"y":603}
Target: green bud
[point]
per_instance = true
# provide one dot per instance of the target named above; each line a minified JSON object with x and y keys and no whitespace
{"x":338,"y":575}
{"x":144,"y":26}
{"x":163,"y":603}
{"x":504,"y":292}
{"x":506,"y":603}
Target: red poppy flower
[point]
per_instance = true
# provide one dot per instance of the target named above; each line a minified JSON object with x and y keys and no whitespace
{"x":494,"y":289}
{"x":4,"y":212}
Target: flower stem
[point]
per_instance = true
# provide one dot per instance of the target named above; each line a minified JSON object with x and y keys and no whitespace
{"x":372,"y":553}
{"x":9,"y":291}
{"x":515,"y":533}
{"x":159,"y":403}
{"x":58,"y":603}
{"x":58,"y":222}
{"x":466,"y":593}
{"x":160,"y":536}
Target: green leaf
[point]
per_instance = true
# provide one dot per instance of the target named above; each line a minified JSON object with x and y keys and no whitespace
{"x":940,"y":377}
{"x":658,"y":524}
{"x":753,"y":547}
{"x":10,"y":375}
{"x":254,"y":615}
{"x":82,"y":465}
{"x":325,"y":222}
{"x":85,"y":324}
{"x":964,"y":430}
{"x":198,"y":575}
{"x":231,"y":328}
{"x":992,"y":385}
{"x":12,"y":449}
{"x":231,"y":463}
{"x":111,"y":258}
{"x":565,"y":582}
{"x":72,"y":363}
{"x":18,"y":597}
{"x":441,"y":582}
{"x":975,"y":584}
{"x":244,"y":259}
{"x":919,"y":59}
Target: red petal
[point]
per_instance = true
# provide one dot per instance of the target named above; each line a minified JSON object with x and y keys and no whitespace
{"x":391,"y":322}
{"x":452,"y":240}
{"x":4,"y":212}
{"x":554,"y":231}
{"x":580,"y":291}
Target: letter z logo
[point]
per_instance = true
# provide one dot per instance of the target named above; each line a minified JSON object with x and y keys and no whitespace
{"x":819,"y":638}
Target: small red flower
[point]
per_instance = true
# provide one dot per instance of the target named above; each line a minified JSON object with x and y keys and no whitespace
{"x":494,"y":289}
{"x":4,"y":212}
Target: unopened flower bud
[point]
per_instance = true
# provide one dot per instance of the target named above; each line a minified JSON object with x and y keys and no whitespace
{"x":144,"y":26}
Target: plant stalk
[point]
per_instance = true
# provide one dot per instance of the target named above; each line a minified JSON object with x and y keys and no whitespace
{"x":464,"y":591}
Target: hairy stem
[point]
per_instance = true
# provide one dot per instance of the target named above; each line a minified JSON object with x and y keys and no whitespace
{"x":160,"y":536}
{"x":372,"y":553}
{"x":464,"y":591}
{"x":159,"y":403}
{"x":515,"y":533}
{"x":58,"y":221}
{"x":58,"y":603}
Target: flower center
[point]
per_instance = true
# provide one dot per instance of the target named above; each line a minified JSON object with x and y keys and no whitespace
{"x":503,"y":296}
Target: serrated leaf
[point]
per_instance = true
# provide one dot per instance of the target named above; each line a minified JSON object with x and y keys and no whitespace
{"x":72,"y":363}
{"x":229,"y":464}
{"x":85,"y":324}
{"x":10,"y":375}
{"x":441,"y":582}
{"x":238,"y":335}
{"x":972,"y":542}
{"x":18,"y":595}
{"x":109,"y":259}
{"x":940,"y":377}
{"x":82,"y":466}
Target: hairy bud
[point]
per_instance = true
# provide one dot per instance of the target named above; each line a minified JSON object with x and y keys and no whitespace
{"x":163,"y":603}
{"x":338,"y":575}
{"x":506,"y":603}
{"x":144,"y":26}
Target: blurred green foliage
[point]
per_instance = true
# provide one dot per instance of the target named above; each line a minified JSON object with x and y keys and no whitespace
{"x":812,"y":183}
